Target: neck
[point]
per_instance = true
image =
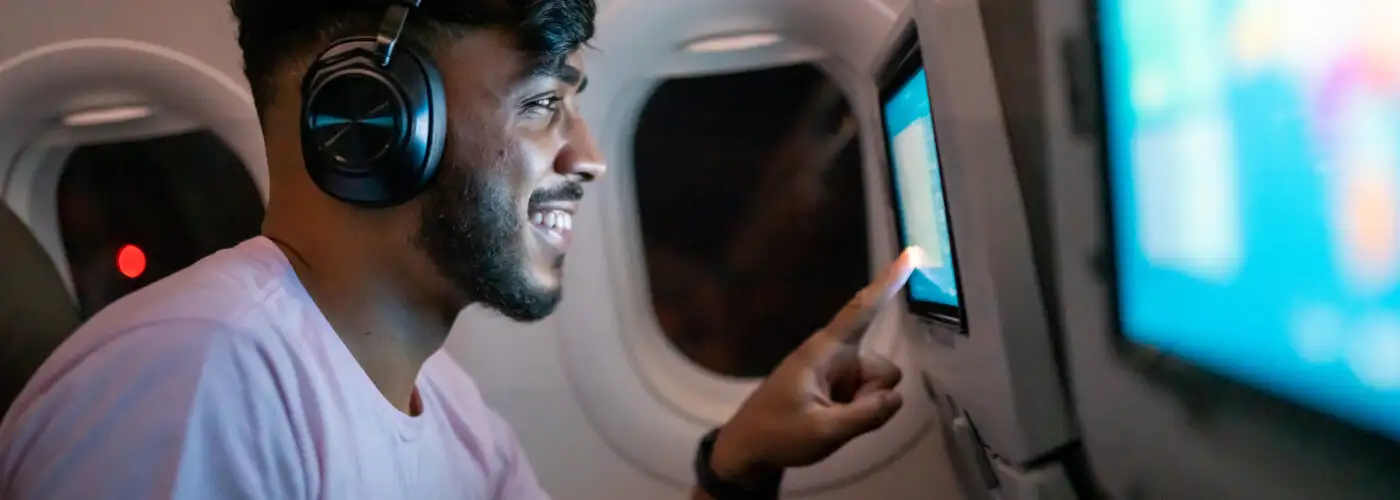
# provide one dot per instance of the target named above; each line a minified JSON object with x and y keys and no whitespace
{"x":389,"y":330}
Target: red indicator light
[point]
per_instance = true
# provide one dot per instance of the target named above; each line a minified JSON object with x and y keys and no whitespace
{"x":131,"y":261}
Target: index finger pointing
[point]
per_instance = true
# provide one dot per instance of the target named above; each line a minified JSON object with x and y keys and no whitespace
{"x":854,"y":319}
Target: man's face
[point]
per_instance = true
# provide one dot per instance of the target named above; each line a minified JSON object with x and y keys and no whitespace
{"x":496,"y":222}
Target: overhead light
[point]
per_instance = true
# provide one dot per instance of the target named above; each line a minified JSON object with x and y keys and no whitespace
{"x":731,"y":43}
{"x":106,"y":116}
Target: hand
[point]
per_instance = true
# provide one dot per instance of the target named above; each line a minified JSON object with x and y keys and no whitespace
{"x":823,"y":395}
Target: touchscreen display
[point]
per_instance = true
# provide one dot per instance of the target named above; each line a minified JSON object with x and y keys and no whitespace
{"x":919,"y":190}
{"x":1254,"y":171}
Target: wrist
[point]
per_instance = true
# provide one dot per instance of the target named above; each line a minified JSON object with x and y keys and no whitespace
{"x":733,"y":463}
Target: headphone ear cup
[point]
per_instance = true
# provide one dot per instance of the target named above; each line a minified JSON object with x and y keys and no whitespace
{"x":372,"y":135}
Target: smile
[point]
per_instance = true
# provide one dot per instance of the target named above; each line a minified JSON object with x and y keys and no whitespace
{"x":554,"y":222}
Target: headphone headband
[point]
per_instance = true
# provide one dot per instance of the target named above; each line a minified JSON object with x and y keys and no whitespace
{"x":392,"y":27}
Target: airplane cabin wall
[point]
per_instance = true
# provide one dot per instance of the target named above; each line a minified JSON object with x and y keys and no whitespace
{"x":205,"y":31}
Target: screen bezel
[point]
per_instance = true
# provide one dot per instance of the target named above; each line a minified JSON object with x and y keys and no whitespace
{"x":906,"y":61}
{"x":1150,"y":359}
{"x":1141,"y":354}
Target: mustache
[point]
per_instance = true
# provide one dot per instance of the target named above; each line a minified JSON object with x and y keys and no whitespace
{"x":568,"y":191}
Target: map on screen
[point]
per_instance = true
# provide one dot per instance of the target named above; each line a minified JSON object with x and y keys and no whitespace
{"x":1254,"y":166}
{"x":919,"y":188}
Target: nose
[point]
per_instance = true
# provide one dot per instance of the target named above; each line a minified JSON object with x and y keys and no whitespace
{"x":581,"y":158}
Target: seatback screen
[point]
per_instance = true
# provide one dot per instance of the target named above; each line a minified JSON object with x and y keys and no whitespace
{"x":918,"y":191}
{"x":1254,"y":170}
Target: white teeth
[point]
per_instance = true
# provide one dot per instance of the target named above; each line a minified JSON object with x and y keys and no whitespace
{"x":554,"y":220}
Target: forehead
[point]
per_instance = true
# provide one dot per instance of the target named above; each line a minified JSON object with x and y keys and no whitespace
{"x":493,"y":56}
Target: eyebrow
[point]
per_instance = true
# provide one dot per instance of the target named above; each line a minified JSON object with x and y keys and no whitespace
{"x":567,"y":73}
{"x":573,"y":76}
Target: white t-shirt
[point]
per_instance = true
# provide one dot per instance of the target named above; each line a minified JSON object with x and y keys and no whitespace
{"x":224,"y":381}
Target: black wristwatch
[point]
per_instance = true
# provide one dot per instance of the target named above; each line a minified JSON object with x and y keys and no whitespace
{"x":719,"y":489}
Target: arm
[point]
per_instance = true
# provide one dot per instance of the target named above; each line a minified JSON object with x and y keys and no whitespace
{"x":820,"y":397}
{"x":178,"y":410}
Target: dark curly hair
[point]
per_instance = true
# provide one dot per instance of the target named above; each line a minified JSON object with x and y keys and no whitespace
{"x":274,"y":33}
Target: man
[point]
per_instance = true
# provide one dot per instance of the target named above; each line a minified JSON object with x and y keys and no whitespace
{"x":307,"y":363}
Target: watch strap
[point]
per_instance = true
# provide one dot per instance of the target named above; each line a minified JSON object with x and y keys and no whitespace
{"x":719,"y":489}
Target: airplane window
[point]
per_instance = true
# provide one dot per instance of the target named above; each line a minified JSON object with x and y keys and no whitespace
{"x":134,"y":212}
{"x":753,"y":213}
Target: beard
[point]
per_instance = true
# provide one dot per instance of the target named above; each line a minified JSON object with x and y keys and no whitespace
{"x":471,"y":230}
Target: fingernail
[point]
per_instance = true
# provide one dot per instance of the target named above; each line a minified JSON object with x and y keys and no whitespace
{"x":892,"y":400}
{"x":916,"y":256}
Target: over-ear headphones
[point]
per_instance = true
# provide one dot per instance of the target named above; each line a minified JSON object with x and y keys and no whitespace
{"x":373,"y":117}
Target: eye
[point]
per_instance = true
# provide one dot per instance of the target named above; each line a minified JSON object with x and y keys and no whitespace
{"x":542,"y":107}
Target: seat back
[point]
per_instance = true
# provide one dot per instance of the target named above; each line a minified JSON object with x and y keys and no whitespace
{"x":36,"y":311}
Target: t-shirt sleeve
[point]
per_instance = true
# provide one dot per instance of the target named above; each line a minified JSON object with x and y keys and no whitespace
{"x":178,"y":410}
{"x":514,"y":479}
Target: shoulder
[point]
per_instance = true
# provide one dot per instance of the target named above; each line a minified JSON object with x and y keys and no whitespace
{"x":199,"y":319}
{"x":157,"y":404}
{"x":164,"y":353}
{"x":172,"y":363}
{"x":180,"y":383}
{"x":224,"y":287}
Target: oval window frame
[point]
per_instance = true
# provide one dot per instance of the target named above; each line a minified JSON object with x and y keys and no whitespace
{"x":196,"y":95}
{"x":660,"y":401}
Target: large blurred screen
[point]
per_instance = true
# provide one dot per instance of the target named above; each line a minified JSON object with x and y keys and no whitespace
{"x":1254,"y":151}
{"x":919,"y":189}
